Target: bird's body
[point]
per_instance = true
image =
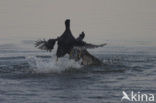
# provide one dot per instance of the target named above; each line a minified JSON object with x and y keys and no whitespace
{"x":80,"y":53}
{"x":66,"y":41}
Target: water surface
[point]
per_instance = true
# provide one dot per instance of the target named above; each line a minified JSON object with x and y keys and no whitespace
{"x":33,"y":76}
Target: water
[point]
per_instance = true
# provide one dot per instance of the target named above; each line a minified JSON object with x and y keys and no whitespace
{"x":28,"y":75}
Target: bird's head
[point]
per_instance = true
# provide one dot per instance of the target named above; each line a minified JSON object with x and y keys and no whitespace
{"x":67,"y":23}
{"x":82,"y":34}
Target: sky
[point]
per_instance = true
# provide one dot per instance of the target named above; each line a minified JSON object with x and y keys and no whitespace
{"x":114,"y":21}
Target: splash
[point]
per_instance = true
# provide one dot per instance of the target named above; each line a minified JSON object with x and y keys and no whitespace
{"x":50,"y":65}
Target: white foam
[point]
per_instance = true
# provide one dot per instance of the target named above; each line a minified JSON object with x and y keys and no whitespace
{"x":48,"y":65}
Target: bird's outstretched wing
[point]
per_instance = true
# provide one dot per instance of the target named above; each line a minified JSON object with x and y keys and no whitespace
{"x":88,"y":45}
{"x":79,"y":42}
{"x":45,"y":45}
{"x":92,"y":46}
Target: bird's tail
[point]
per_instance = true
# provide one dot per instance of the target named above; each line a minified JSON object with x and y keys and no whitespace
{"x":45,"y":44}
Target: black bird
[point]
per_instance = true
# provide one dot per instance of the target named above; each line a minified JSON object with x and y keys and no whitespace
{"x":65,"y":42}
